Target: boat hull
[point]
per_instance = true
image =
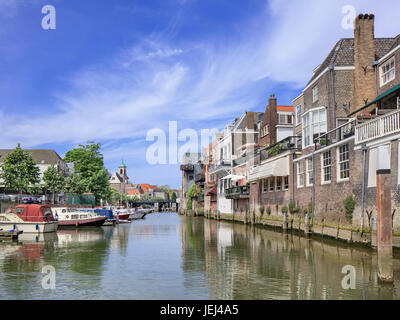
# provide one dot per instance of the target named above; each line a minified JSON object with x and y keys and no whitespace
{"x":30,"y":227}
{"x":139,"y":215}
{"x":93,"y":222}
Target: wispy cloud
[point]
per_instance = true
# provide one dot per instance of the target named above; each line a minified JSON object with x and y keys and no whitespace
{"x":157,"y":79}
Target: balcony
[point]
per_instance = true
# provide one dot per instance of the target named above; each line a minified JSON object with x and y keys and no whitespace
{"x":245,"y":159}
{"x":378,"y":128}
{"x":187,"y":167}
{"x":218,"y":166}
{"x":336,"y":135}
{"x":289,"y":143}
{"x":199,"y":178}
{"x":241,"y":192}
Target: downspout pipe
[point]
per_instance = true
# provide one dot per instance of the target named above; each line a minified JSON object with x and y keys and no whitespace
{"x":332,"y":69}
{"x":313,"y":186}
{"x":364,"y":150}
{"x":293,"y":151}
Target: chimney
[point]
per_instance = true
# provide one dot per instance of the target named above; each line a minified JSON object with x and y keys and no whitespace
{"x":364,"y":55}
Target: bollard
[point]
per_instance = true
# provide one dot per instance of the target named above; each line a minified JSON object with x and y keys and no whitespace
{"x":384,"y":214}
{"x":285,"y":223}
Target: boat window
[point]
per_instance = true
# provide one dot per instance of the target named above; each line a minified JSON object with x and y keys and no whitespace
{"x":83,"y":216}
{"x":19,"y":210}
{"x":64,"y":211}
{"x":74,"y":216}
{"x":47,"y":212}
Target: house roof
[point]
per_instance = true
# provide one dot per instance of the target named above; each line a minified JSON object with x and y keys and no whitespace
{"x":116,"y":178}
{"x":146,"y":187}
{"x":133,"y":192}
{"x":285,"y":108}
{"x":342,"y":54}
{"x":40,"y":156}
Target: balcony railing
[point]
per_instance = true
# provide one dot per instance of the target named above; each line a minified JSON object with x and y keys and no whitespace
{"x":218,"y":165}
{"x":378,"y":128}
{"x":290,"y":143}
{"x":340,"y":133}
{"x":187,"y":167}
{"x":199,"y":178}
{"x":237,"y":192}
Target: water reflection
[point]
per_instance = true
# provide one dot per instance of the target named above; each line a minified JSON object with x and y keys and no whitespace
{"x":168,"y":256}
{"x":241,"y":262}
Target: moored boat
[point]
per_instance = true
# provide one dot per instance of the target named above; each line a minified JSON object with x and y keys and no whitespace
{"x":68,"y":217}
{"x":139,"y":213}
{"x":28,"y":218}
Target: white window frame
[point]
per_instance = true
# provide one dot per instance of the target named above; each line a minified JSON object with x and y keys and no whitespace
{"x":338,"y":162}
{"x":298,"y":115}
{"x":299,"y":173}
{"x":308,"y":171}
{"x":284,"y":185}
{"x":390,"y":72}
{"x":310,"y":124}
{"x":315,"y":94}
{"x":323,"y":166}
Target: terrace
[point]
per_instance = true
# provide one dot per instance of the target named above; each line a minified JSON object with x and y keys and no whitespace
{"x":237,"y":192}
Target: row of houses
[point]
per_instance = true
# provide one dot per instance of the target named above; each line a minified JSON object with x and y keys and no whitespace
{"x":317,"y":152}
{"x":119,"y":181}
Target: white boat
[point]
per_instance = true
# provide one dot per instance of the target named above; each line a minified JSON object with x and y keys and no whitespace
{"x":28,"y":218}
{"x":139,"y":213}
{"x":68,"y":217}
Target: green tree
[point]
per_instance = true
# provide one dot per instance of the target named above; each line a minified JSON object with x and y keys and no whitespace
{"x":19,"y":171}
{"x":89,"y":165}
{"x":173,"y":197}
{"x":74,"y":184}
{"x":53,"y":181}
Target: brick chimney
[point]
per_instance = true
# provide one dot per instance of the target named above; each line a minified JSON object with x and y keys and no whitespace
{"x":270,"y":118}
{"x":364,"y":55}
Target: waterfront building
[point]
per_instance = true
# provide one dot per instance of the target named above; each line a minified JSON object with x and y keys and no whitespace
{"x":353,"y":90}
{"x":192,"y":165}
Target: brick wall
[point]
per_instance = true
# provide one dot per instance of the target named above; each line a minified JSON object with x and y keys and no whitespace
{"x":364,"y":54}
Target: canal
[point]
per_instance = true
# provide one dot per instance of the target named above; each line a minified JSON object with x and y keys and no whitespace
{"x":166,"y":256}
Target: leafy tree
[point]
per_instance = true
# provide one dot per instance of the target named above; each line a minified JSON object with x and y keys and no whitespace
{"x":19,"y":171}
{"x":53,"y":181}
{"x":173,"y":197}
{"x":74,"y":184}
{"x":89,"y":165}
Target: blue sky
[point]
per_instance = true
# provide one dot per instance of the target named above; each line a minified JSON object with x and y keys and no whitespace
{"x":113,"y":70}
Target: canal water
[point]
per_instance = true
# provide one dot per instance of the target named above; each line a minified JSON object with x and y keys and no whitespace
{"x":166,"y":256}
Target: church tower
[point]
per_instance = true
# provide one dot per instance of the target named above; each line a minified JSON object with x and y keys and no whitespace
{"x":122,"y":171}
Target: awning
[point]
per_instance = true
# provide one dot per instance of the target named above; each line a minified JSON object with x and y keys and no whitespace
{"x":380,"y":97}
{"x":236,"y":178}
{"x":233,"y":177}
{"x":276,"y":168}
{"x":211,"y":191}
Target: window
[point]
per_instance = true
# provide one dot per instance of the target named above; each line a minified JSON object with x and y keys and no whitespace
{"x":19,"y":210}
{"x":314,"y":124}
{"x":272,"y":184}
{"x":298,"y":114}
{"x":309,"y":172}
{"x":344,"y":163}
{"x":264,"y":130}
{"x":315,"y":94}
{"x":387,"y":71}
{"x":326,"y":167}
{"x":265,"y":185}
{"x":278,"y":183}
{"x":306,"y":130}
{"x":300,"y":174}
{"x":286,"y":183}
{"x":285,"y":119}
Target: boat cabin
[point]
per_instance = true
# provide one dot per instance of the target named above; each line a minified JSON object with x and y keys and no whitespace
{"x":33,"y":212}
